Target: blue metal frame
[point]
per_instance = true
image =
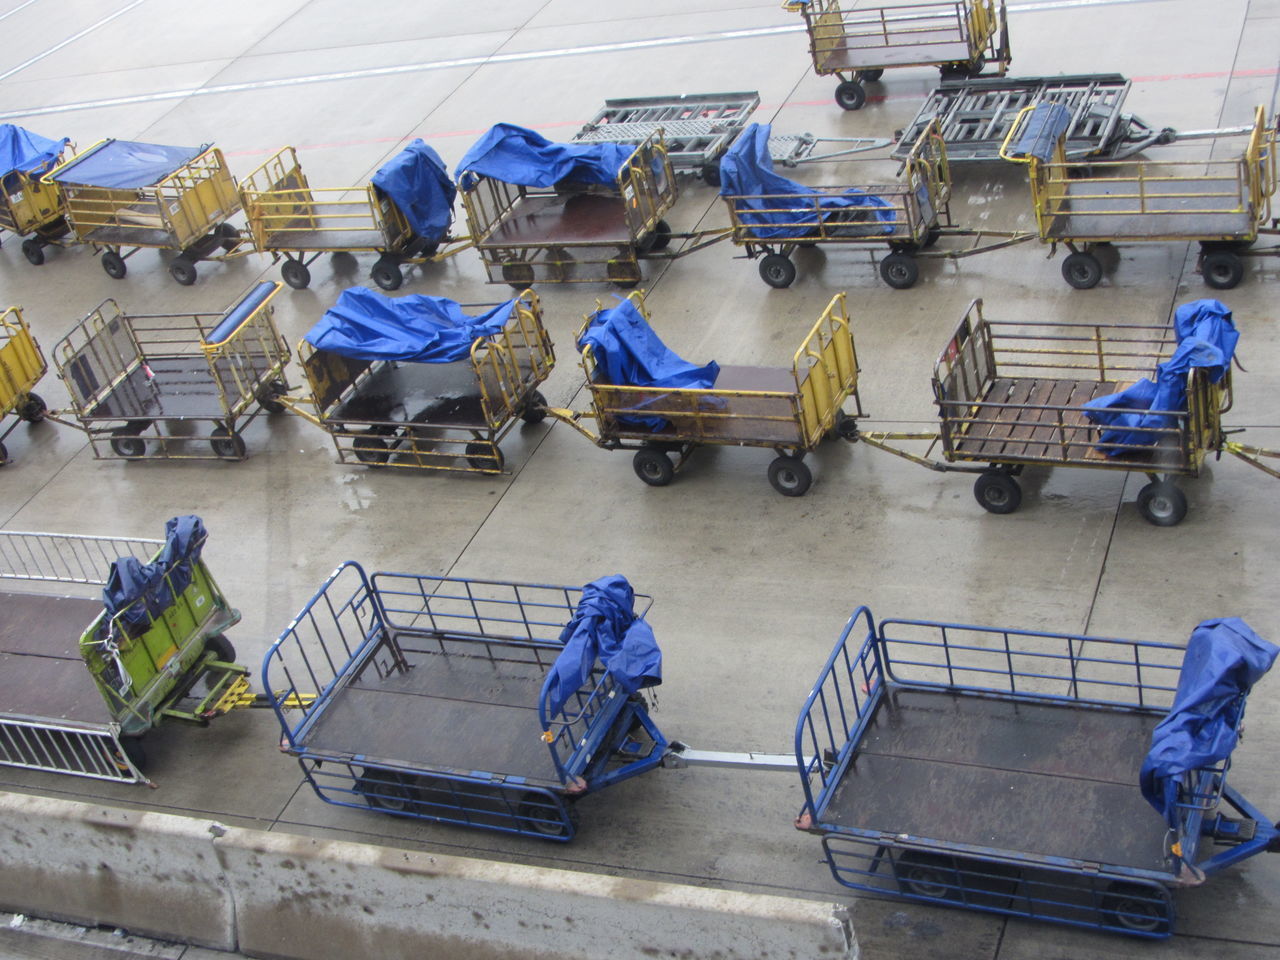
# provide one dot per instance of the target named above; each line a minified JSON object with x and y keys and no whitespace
{"x":1092,"y":672}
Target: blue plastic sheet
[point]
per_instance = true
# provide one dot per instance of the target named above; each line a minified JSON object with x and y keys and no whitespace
{"x":629,"y":353}
{"x":605,"y":628}
{"x":515,"y":155}
{"x":125,"y":164}
{"x":417,"y":180}
{"x":366,"y":325}
{"x":156,"y":584}
{"x":22,"y":150}
{"x":1206,"y":338}
{"x":746,"y":173}
{"x":1224,"y":659}
{"x":1048,"y":122}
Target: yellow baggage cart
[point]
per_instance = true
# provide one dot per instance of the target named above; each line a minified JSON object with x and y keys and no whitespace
{"x":21,"y":367}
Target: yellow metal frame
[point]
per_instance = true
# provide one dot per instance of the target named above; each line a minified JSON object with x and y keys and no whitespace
{"x":22,"y":364}
{"x":507,"y":368}
{"x":34,"y":205}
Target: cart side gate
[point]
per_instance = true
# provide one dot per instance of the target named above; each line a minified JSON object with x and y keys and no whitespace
{"x":198,"y":197}
{"x":97,"y":355}
{"x":510,"y":365}
{"x":826,"y":371}
{"x":277,"y":198}
{"x":1260,"y":165}
{"x":245,"y":352}
{"x":647,"y":185}
{"x":21,"y":362}
{"x":28,"y":203}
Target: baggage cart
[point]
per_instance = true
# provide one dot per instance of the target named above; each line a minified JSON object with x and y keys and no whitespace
{"x":464,"y":667}
{"x":1011,"y":395}
{"x":80,"y":686}
{"x":121,"y":197}
{"x":562,"y":235}
{"x":290,"y":219}
{"x":29,"y":207}
{"x":432,"y":416}
{"x":21,"y":367}
{"x":787,"y":409}
{"x":129,"y":373}
{"x":961,"y":37}
{"x":1224,"y":204}
{"x":998,"y":770}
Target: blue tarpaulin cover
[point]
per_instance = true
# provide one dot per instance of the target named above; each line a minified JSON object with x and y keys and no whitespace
{"x":515,"y":155}
{"x":1040,"y":134}
{"x":418,"y":181}
{"x":629,"y":353}
{"x":158,"y":583}
{"x":605,"y":628}
{"x":1224,"y":659}
{"x":20,"y":149}
{"x":1207,"y":338}
{"x":746,"y":171}
{"x":125,"y":164}
{"x":366,"y":325}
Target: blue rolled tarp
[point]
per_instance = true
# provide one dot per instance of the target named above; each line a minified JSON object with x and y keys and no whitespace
{"x":365,"y":325}
{"x":516,"y":155}
{"x":1206,"y":338}
{"x":126,"y":164}
{"x":1224,"y":659}
{"x":1048,"y":122}
{"x":27,"y":152}
{"x":156,"y":584}
{"x":417,"y":180}
{"x":746,"y":176}
{"x":605,"y":628}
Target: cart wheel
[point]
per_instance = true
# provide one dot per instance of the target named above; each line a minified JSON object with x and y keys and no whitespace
{"x":870,"y":76}
{"x":183,"y":270}
{"x":541,"y":815}
{"x":33,"y":408}
{"x":1162,"y":503}
{"x":223,"y":651}
{"x":268,"y":396}
{"x":386,"y":273}
{"x":114,"y":265}
{"x":790,"y":477}
{"x":900,"y":270}
{"x":660,"y":238}
{"x":625,"y":274}
{"x":1135,"y":908}
{"x":777,"y":270}
{"x":134,"y":752}
{"x":653,"y":466}
{"x":1221,"y":269}
{"x":1082,"y":270}
{"x":850,"y":95}
{"x":130,"y":446}
{"x":372,"y":450}
{"x":847,"y":427}
{"x":711,"y":173}
{"x":295,"y":274}
{"x":933,"y":235}
{"x":997,"y":492}
{"x":954,"y":71}
{"x":484,"y":456}
{"x":535,"y":408}
{"x":4,"y":454}
{"x":226,"y":444}
{"x":33,"y":250}
{"x":229,"y":236}
{"x":517,"y":273}
{"x":932,"y":876}
{"x":977,"y":66}
{"x":385,"y":790}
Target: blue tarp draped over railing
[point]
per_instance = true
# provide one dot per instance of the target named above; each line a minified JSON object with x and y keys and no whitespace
{"x":605,"y":628}
{"x":746,"y":176}
{"x":22,"y":150}
{"x":366,"y":325}
{"x":515,"y":155}
{"x":1047,"y":122}
{"x":1206,"y":338}
{"x":1224,"y":659}
{"x":628,"y":353}
{"x":156,"y":584}
{"x":418,"y":181}
{"x":124,"y":164}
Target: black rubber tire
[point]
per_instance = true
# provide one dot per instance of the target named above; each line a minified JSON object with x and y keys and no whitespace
{"x":386,"y":790}
{"x":371,"y":449}
{"x":518,"y":274}
{"x":900,"y":270}
{"x":536,"y":814}
{"x":847,"y":428}
{"x":711,"y":173}
{"x":1136,"y":909}
{"x":135,"y":752}
{"x":386,"y":273}
{"x":268,"y":393}
{"x":295,"y":274}
{"x":1082,"y":271}
{"x":33,"y":408}
{"x":113,"y":265}
{"x":33,"y":250}
{"x":976,"y":67}
{"x":183,"y":270}
{"x":482,"y":456}
{"x":535,"y":408}
{"x":997,"y":492}
{"x":653,"y":466}
{"x":1162,"y":503}
{"x":221,"y":648}
{"x":777,"y":270}
{"x":872,"y":75}
{"x":660,"y":239}
{"x":4,"y":454}
{"x":933,"y":235}
{"x":851,"y":95}
{"x":226,"y":445}
{"x":931,"y":876}
{"x":1221,"y":269}
{"x":790,"y":476}
{"x":230,"y":237}
{"x":130,"y":446}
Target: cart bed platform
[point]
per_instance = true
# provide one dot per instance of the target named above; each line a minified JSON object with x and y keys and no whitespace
{"x":1008,"y":433}
{"x":41,"y":671}
{"x":578,"y":218}
{"x":415,"y":393}
{"x":766,"y":418}
{"x":1212,"y":207}
{"x":326,"y":233}
{"x":179,"y":387}
{"x":1049,"y":779}
{"x":926,"y":47}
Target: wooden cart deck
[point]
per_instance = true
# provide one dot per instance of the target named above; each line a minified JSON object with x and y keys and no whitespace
{"x":1046,"y":779}
{"x":1092,"y":209}
{"x":42,"y":675}
{"x":554,"y":219}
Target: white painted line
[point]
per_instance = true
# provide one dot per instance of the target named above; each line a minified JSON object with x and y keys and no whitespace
{"x":71,"y":39}
{"x":21,"y":6}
